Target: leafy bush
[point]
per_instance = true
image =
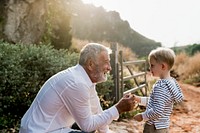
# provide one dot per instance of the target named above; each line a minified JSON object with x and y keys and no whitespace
{"x":193,"y":49}
{"x":104,"y":92}
{"x":23,"y":70}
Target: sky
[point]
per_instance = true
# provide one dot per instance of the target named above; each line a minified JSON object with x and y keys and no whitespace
{"x":171,"y":22}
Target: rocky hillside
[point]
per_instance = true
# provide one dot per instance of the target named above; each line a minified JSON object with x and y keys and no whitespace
{"x":39,"y":21}
{"x":96,"y":24}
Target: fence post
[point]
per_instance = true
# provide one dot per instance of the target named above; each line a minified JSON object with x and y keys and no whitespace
{"x":145,"y":69}
{"x":115,"y":71}
{"x":121,"y":72}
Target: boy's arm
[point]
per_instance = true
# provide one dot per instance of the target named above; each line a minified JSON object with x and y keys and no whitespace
{"x":142,"y":100}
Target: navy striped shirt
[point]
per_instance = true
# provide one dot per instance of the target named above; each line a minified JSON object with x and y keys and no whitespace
{"x":165,"y":93}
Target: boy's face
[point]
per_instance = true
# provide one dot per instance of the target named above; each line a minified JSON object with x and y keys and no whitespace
{"x":155,"y":68}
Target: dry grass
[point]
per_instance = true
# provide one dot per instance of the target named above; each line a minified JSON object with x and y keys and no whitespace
{"x":188,"y":67}
{"x":193,"y":66}
{"x":180,"y":63}
{"x":127,"y":52}
{"x":78,"y":44}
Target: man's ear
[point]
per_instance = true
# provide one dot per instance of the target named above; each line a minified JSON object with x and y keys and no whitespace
{"x":90,"y":64}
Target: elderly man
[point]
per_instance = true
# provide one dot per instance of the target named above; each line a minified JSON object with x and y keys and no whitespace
{"x":70,"y":97}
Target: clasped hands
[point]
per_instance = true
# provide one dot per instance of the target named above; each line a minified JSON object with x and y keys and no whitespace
{"x":128,"y":103}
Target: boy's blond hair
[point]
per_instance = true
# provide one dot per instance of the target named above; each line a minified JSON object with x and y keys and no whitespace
{"x":163,"y":55}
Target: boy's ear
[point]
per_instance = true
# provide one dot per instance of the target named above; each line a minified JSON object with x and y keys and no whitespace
{"x":164,"y":66}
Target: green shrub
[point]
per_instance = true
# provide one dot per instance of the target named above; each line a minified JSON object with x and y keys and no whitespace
{"x":104,"y":92}
{"x":23,"y":70}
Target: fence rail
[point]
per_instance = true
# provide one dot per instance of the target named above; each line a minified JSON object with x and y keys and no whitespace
{"x":135,"y":89}
{"x":134,"y":76}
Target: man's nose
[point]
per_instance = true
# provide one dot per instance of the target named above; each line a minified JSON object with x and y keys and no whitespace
{"x":109,"y":67}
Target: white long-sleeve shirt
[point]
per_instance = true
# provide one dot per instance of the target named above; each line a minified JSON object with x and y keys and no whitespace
{"x":67,"y":97}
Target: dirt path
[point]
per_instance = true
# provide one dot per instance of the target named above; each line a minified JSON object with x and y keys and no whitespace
{"x":185,"y":117}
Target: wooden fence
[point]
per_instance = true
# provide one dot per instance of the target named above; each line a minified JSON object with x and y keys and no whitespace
{"x":122,"y":72}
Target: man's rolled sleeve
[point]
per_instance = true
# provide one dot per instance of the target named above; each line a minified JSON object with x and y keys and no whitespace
{"x":114,"y":112}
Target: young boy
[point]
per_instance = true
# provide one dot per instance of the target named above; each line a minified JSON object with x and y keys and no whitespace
{"x":165,"y":93}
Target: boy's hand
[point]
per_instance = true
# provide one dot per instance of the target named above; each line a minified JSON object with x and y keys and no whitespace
{"x":138,"y":117}
{"x":137,"y":98}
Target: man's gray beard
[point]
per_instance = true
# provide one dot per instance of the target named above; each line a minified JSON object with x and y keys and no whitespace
{"x":105,"y":77}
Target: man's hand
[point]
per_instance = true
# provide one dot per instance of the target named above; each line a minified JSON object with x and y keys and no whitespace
{"x":127,"y":103}
{"x":137,"y":98}
{"x":138,"y":117}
